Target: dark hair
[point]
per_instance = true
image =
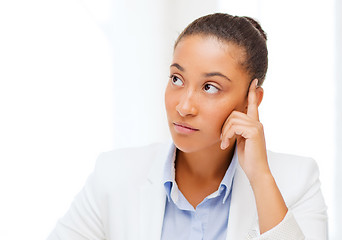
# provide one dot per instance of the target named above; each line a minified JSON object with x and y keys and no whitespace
{"x":245,"y":32}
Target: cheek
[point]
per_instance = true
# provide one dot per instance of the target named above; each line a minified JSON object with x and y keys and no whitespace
{"x":169,"y":99}
{"x":216,"y":115}
{"x":241,"y":106}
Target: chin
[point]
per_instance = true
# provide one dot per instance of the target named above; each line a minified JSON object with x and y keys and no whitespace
{"x":188,"y":144}
{"x":186,"y":148}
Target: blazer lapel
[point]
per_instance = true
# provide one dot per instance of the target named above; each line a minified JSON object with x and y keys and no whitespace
{"x":242,"y":214}
{"x":153,"y":199}
{"x":152,"y":205}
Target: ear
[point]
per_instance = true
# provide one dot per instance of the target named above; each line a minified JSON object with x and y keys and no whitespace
{"x":260,"y":94}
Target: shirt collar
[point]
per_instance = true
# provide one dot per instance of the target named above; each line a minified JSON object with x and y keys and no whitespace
{"x":169,"y":175}
{"x":169,"y":171}
{"x":228,"y":178}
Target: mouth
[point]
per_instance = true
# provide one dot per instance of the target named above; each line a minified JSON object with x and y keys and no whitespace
{"x":184,"y":128}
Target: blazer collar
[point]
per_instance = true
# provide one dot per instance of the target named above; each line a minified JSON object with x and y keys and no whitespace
{"x":153,"y":197}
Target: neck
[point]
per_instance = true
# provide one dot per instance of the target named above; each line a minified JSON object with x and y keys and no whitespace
{"x":205,"y":165}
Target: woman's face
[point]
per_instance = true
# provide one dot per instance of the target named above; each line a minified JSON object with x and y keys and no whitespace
{"x":206,"y":84}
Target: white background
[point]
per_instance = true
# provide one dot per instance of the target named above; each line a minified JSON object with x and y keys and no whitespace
{"x":81,"y":77}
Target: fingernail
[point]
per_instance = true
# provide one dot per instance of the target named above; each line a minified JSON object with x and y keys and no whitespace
{"x":224,"y":145}
{"x":256,"y":82}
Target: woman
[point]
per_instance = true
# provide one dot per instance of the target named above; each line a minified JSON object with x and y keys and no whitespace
{"x":216,"y":180}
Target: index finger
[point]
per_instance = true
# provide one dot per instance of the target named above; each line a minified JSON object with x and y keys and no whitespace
{"x":252,"y":108}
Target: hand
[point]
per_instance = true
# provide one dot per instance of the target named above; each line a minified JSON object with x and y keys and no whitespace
{"x":250,"y":138}
{"x":252,"y":155}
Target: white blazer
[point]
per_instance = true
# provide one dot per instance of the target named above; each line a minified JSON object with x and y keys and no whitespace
{"x":124,"y":199}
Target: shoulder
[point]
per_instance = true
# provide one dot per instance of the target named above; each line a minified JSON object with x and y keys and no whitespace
{"x":129,"y":156}
{"x":128,"y":165}
{"x":280,"y":163}
{"x":295,"y":175}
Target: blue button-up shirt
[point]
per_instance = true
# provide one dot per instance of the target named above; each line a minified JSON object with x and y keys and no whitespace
{"x":210,"y":218}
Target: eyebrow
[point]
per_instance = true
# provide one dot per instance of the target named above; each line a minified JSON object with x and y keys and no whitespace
{"x":217,"y":74}
{"x":212,"y":74}
{"x":178,"y":66}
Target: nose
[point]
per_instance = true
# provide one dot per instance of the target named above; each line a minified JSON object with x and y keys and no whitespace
{"x":187,"y":105}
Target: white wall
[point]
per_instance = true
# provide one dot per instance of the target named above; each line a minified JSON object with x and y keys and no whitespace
{"x":141,"y":36}
{"x":56,"y":106}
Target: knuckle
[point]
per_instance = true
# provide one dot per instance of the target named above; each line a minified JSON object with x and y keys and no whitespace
{"x":227,"y":125}
{"x":234,"y":114}
{"x":254,"y":131}
{"x":259,"y":128}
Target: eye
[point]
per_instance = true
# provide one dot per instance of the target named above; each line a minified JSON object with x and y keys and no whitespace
{"x":210,"y":88}
{"x":176,"y":80}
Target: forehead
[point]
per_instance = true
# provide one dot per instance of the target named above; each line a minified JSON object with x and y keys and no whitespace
{"x":208,"y":53}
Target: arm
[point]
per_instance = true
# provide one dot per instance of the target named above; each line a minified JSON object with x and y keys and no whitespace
{"x":269,"y":201}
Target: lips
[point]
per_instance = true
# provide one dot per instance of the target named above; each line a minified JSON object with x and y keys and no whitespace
{"x":184,"y":128}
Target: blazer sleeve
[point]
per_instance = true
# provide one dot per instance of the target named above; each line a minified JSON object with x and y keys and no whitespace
{"x":82,"y":221}
{"x":306,"y":218}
